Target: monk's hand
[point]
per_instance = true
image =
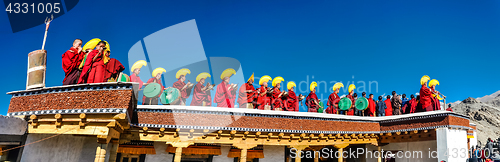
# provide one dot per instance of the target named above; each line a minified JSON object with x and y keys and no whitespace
{"x":79,"y":49}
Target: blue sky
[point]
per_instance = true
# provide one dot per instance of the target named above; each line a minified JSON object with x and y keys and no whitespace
{"x":389,"y":41}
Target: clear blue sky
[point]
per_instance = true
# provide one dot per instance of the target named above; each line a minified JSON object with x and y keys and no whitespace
{"x":392,"y":42}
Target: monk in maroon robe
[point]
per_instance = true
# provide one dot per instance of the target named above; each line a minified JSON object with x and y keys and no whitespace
{"x":388,"y":103}
{"x":312,"y":101}
{"x":425,"y":99}
{"x":201,"y":94}
{"x":351,"y":110}
{"x":113,"y":68}
{"x":435,"y":101}
{"x":371,"y":106}
{"x":333,"y":102}
{"x":247,"y":94}
{"x":276,"y":97}
{"x":224,"y":95}
{"x":154,"y":100}
{"x":179,"y":84}
{"x":292,"y":101}
{"x":71,"y":59}
{"x":263,"y":98}
{"x":93,"y":69}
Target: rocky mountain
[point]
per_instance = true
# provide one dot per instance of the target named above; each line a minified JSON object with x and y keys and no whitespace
{"x":484,"y":112}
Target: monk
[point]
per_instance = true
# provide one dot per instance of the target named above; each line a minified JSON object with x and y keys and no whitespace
{"x":156,"y":79}
{"x":425,"y":101}
{"x":277,"y":101}
{"x":181,"y":86}
{"x":388,"y":103}
{"x":412,"y":104}
{"x":93,"y":69}
{"x":136,"y":69}
{"x":435,"y":94}
{"x":333,"y":99}
{"x":292,"y":100}
{"x":371,"y":106}
{"x":113,"y":68}
{"x":225,"y":93}
{"x":97,"y":71}
{"x":71,"y":59}
{"x":312,"y":100}
{"x":201,"y":94}
{"x":247,"y":94}
{"x":352,"y":97}
{"x":263,"y":99}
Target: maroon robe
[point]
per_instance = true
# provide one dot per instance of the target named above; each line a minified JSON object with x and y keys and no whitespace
{"x":113,"y":68}
{"x":435,"y":101}
{"x":71,"y":59}
{"x":371,"y":107}
{"x":277,"y":101}
{"x":425,"y":99}
{"x":351,"y":110}
{"x":199,"y":96}
{"x":153,"y":80}
{"x":312,"y":106}
{"x":184,"y":95}
{"x":246,"y":97}
{"x":93,"y":71}
{"x":263,"y":100}
{"x":292,"y":102}
{"x":333,"y":101}
{"x":223,"y":96}
{"x":135,"y":78}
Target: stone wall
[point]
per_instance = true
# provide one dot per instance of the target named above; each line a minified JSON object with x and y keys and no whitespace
{"x":60,"y":148}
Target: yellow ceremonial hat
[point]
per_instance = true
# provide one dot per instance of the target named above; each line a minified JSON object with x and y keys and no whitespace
{"x":251,"y":78}
{"x":290,"y":85}
{"x":138,"y":64}
{"x":424,"y":79}
{"x":227,"y":73}
{"x":203,"y":75}
{"x":91,"y":44}
{"x":105,"y":58}
{"x":158,"y":71}
{"x":265,"y":78}
{"x":337,"y":86}
{"x":183,"y":71}
{"x":277,"y":80}
{"x":313,"y":85}
{"x":433,"y":82}
{"x":351,"y":87}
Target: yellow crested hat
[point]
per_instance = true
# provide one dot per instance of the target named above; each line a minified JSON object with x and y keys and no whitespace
{"x":290,"y":85}
{"x":138,"y":64}
{"x":251,"y":78}
{"x":183,"y":71}
{"x":351,"y":87}
{"x":227,"y":73}
{"x":203,"y":75}
{"x":424,"y":80}
{"x":337,"y":86}
{"x":277,"y":80}
{"x":91,"y":44}
{"x":313,"y":85}
{"x":433,"y":82}
{"x":265,"y":78}
{"x":158,"y":71}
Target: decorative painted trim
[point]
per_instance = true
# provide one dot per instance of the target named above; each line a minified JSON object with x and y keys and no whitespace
{"x":248,"y":115}
{"x":70,"y":111}
{"x":422,"y":117}
{"x":245,"y":129}
{"x":75,"y":88}
{"x":290,"y":131}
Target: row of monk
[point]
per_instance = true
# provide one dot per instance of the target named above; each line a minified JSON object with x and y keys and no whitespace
{"x":90,"y":64}
{"x":267,"y":98}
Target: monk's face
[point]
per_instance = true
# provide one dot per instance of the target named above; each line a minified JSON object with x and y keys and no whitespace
{"x":337,"y":91}
{"x":202,"y":81}
{"x":77,"y":44}
{"x":182,"y":78}
{"x":158,"y":76}
{"x":100,"y":46}
{"x":137,"y":71}
{"x":278,"y":85}
{"x":250,"y":81}
{"x":264,"y":84}
{"x":314,"y":90}
{"x":371,"y":96}
{"x":291,"y":89}
{"x":108,"y":53}
{"x":226,"y":79}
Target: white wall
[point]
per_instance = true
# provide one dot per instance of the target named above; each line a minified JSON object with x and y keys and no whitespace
{"x":473,"y":141}
{"x":452,"y":144}
{"x":60,"y":148}
{"x":410,"y":148}
{"x":161,"y":153}
{"x":223,"y":157}
{"x":273,"y":154}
